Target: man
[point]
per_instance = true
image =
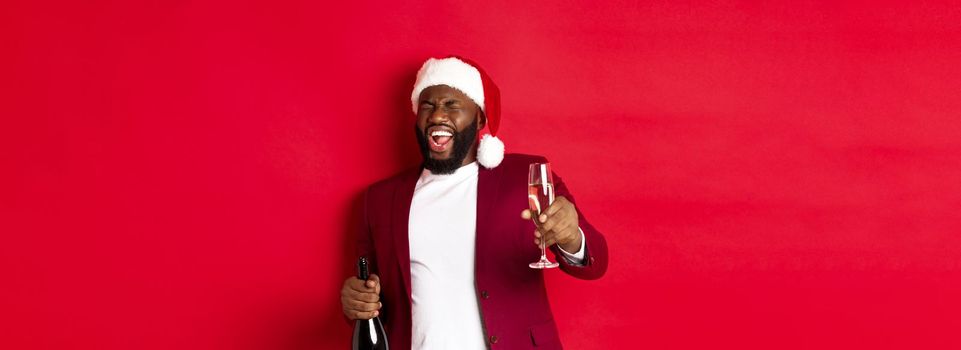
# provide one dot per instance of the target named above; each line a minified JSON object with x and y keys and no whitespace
{"x":449,"y":242}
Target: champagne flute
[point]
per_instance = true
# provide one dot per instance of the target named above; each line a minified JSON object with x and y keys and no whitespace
{"x":540,"y":195}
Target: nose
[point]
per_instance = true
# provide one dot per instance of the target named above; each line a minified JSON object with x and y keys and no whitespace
{"x":438,"y":116}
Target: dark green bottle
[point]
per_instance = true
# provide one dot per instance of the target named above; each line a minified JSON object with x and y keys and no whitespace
{"x":368,"y":334}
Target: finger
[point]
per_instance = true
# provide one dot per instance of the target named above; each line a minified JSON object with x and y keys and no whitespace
{"x":526,"y":214}
{"x":357,"y":305}
{"x":365,"y":315}
{"x":559,"y":222}
{"x":350,"y":296}
{"x":358,"y":285}
{"x":374,"y":282}
{"x":546,"y":234}
{"x":540,"y":235}
{"x":546,"y":238}
{"x":563,"y":211}
{"x":561,"y":232}
{"x":549,"y":224}
{"x":550,"y":242}
{"x":552,"y":237}
{"x":559,"y":202}
{"x":366,"y":297}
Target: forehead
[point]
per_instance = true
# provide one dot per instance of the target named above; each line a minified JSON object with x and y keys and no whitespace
{"x":441,"y":92}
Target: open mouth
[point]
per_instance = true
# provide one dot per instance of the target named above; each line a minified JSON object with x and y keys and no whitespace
{"x":439,"y":138}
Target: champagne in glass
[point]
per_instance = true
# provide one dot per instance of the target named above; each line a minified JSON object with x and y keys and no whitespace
{"x":540,"y":195}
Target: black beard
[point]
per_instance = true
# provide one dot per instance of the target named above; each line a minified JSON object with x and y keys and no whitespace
{"x":463,"y":140}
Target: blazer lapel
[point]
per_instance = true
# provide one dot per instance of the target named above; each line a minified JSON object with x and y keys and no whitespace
{"x":400,"y":223}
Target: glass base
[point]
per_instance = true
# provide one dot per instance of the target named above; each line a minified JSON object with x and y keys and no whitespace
{"x":543,"y":264}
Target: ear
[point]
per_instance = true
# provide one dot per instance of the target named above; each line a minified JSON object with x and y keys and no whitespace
{"x":482,"y":119}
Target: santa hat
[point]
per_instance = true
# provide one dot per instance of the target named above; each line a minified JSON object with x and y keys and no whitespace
{"x":469,"y":78}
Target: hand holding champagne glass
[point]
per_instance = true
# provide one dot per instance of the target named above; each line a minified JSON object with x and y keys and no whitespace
{"x":540,"y":195}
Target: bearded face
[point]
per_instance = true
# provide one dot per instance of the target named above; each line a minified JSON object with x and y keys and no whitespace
{"x":447,"y":125}
{"x":436,"y":140}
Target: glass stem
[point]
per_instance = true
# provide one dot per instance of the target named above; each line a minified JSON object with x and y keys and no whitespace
{"x":543,"y":248}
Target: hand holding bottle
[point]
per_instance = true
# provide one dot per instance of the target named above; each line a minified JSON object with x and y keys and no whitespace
{"x":360,"y":299}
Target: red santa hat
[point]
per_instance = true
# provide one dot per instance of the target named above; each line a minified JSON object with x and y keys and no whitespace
{"x":469,"y":78}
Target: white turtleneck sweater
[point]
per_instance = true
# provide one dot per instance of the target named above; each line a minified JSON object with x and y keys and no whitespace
{"x":443,"y":223}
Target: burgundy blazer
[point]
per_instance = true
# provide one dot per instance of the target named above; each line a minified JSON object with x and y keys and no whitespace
{"x":512,"y":297}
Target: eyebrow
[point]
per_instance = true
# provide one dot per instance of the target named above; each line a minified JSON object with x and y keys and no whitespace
{"x":446,"y":100}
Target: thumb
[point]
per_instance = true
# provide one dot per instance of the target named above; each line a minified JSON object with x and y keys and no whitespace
{"x":374,"y":282}
{"x":526,"y":214}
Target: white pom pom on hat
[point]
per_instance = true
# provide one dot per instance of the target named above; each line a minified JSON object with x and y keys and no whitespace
{"x":469,"y":78}
{"x":490,"y":152}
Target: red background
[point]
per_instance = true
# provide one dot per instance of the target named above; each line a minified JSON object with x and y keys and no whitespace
{"x":180,"y":175}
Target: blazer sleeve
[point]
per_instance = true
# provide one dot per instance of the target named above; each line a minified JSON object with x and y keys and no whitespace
{"x":362,"y":235}
{"x":595,"y":246}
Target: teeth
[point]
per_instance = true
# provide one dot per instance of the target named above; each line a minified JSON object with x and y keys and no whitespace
{"x":441,"y":133}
